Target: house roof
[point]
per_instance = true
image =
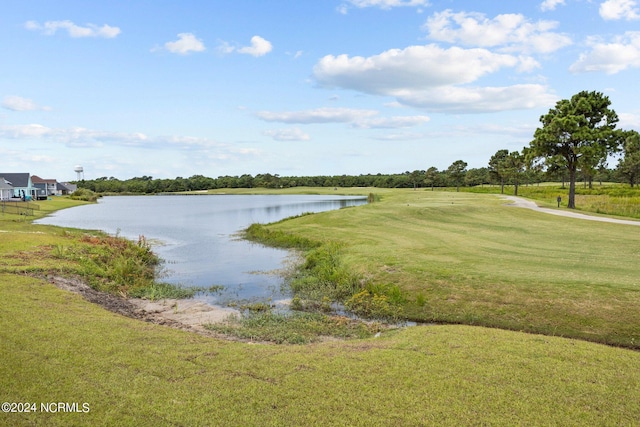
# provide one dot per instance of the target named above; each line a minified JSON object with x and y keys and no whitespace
{"x":16,"y":179}
{"x":36,"y":179}
{"x":4,"y":185}
{"x":66,"y":186}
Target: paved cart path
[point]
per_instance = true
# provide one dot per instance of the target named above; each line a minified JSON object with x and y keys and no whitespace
{"x":524,"y":203}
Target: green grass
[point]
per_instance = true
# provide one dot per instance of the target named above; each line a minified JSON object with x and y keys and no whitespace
{"x":608,"y":199}
{"x":447,"y":252}
{"x":294,"y":327}
{"x":57,"y":347}
{"x":106,"y":263}
{"x":469,"y":258}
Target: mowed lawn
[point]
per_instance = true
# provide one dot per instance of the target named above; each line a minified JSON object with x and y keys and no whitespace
{"x":56,"y":347}
{"x":476,"y":260}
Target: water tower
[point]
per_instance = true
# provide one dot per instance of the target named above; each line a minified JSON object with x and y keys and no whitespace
{"x":79,"y":172}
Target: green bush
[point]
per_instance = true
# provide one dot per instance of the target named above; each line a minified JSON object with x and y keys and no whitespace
{"x":84,"y":194}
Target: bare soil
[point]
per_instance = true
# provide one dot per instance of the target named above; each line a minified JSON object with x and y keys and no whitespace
{"x":185,"y":314}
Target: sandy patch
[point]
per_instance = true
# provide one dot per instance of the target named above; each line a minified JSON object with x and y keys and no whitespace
{"x":186,"y":314}
{"x":189,"y":312}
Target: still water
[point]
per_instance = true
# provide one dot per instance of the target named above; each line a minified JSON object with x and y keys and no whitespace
{"x":197,"y":236}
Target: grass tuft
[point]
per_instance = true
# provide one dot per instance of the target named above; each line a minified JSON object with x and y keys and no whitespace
{"x":293,"y":328}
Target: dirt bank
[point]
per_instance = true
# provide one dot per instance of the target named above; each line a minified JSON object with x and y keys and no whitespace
{"x":185,"y":314}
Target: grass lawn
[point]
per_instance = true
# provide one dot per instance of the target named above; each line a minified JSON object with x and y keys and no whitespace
{"x":463,"y":251}
{"x":57,"y":347}
{"x":469,"y":258}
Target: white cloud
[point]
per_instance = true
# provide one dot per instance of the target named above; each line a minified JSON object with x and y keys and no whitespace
{"x":395,"y":71}
{"x":387,"y":4}
{"x":76,"y":31}
{"x":319,"y":115}
{"x":550,"y":4}
{"x":622,"y":53}
{"x":14,"y":159}
{"x":619,"y":9}
{"x":510,"y":32}
{"x":17,"y":103}
{"x":401,"y":136}
{"x":259,"y":47}
{"x":431,"y":77}
{"x":82,"y":137}
{"x":392,"y":122}
{"x":452,"y":99}
{"x":292,"y":134}
{"x":527,"y":64}
{"x":25,"y":131}
{"x":366,"y":119}
{"x":629,"y":121}
{"x":186,"y":43}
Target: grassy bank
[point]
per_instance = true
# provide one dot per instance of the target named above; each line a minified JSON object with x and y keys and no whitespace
{"x":106,"y":263}
{"x":469,"y":258}
{"x":57,"y":347}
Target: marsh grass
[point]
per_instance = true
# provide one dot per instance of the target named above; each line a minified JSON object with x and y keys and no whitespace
{"x":158,"y":290}
{"x":293,"y":327}
{"x":259,"y":233}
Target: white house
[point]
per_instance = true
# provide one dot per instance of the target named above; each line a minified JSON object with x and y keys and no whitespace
{"x":6,"y":189}
{"x":22,"y":185}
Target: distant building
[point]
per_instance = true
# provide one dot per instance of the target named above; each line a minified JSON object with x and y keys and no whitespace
{"x":46,"y":187}
{"x":22,"y":186}
{"x":6,"y":190}
{"x":66,"y":188}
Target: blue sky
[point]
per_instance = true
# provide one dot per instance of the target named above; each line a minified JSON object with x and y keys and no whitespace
{"x":289,"y":87}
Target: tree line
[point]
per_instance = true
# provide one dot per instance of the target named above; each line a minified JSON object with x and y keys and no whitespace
{"x":459,"y":176}
{"x":573,"y":144}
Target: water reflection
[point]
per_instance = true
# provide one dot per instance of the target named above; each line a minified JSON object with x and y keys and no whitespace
{"x":197,"y":235}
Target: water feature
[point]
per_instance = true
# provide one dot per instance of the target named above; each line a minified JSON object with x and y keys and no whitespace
{"x":197,"y":236}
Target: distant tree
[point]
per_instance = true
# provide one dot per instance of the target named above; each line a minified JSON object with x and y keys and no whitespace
{"x":456,"y":172}
{"x":416,"y":177}
{"x":476,"y":176}
{"x":629,"y":165}
{"x":497,"y":167}
{"x":514,"y":167}
{"x":431,"y":177}
{"x":578,"y":129}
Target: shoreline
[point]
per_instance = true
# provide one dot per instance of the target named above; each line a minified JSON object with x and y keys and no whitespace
{"x":184,"y":314}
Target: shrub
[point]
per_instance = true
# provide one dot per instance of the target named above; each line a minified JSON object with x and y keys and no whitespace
{"x":84,"y":194}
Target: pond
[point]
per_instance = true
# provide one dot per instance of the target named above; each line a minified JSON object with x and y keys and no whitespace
{"x":197,"y":236}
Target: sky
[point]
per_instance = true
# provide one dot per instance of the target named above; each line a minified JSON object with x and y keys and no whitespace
{"x":296,"y":88}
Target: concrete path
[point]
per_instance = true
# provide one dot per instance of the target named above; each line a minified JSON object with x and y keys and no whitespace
{"x":524,"y":203}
